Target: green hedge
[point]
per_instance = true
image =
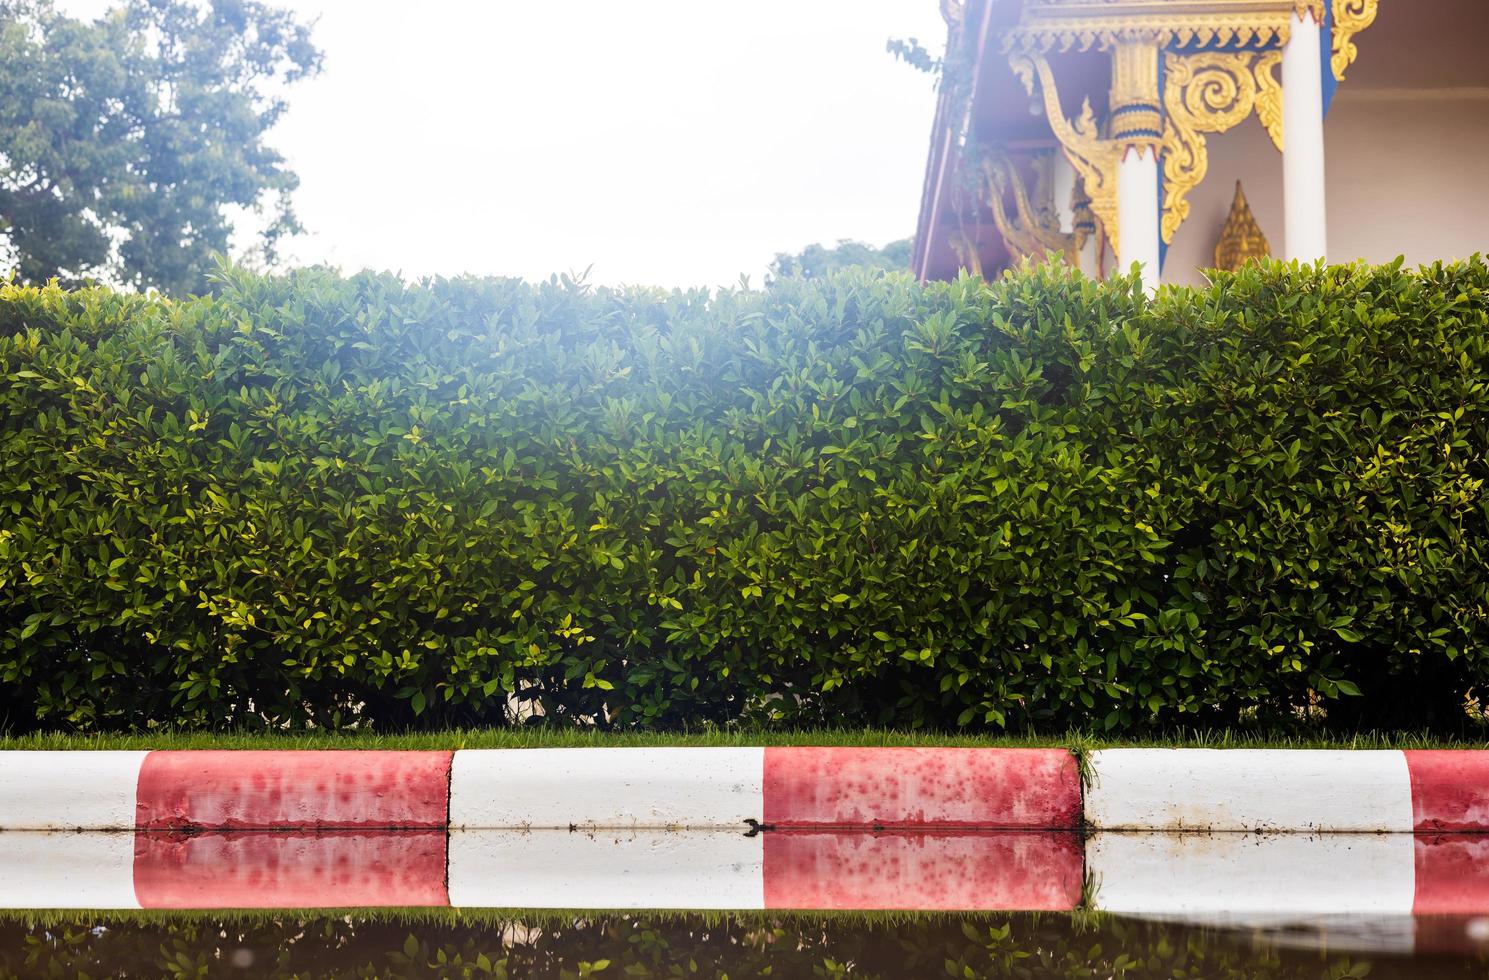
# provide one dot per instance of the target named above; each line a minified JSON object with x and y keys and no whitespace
{"x":1038,"y":502}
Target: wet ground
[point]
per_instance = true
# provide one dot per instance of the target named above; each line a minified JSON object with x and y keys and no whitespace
{"x":784,"y":904}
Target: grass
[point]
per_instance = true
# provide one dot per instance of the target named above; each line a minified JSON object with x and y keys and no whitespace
{"x":526,"y":738}
{"x":437,"y":916}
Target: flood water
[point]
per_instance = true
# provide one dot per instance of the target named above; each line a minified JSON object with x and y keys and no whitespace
{"x":518,"y":944}
{"x":726,"y":904}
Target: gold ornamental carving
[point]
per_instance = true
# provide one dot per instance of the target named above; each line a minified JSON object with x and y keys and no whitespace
{"x":1136,"y":112}
{"x":1242,"y":239}
{"x":1350,"y":18}
{"x":968,"y":255}
{"x":1033,"y":230}
{"x":1081,"y":25}
{"x":1269,"y":95}
{"x":1095,"y":159}
{"x":1209,"y":92}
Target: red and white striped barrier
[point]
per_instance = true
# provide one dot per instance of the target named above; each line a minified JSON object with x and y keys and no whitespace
{"x":782,"y":788}
{"x":1010,"y":789}
{"x":1344,"y":832}
{"x":69,"y":790}
{"x":212,"y":790}
{"x":636,"y":788}
{"x":1288,"y":790}
{"x":881,"y":788}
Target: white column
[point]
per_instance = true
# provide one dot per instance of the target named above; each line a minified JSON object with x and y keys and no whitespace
{"x":1137,"y":212}
{"x":1064,"y":190}
{"x":1305,"y":223}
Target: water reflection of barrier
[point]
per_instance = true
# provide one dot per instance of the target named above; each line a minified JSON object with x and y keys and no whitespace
{"x":789,"y":870}
{"x":290,"y":870}
{"x":542,"y":869}
{"x":1224,"y":876}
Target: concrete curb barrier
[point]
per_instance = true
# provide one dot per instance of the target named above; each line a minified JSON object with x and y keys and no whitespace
{"x":1249,"y":790}
{"x":795,"y":788}
{"x":1262,"y":833}
{"x":614,"y":788}
{"x":911,"y":788}
{"x":1288,"y":790}
{"x":270,"y":790}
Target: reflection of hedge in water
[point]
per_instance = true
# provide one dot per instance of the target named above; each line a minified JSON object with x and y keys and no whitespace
{"x":856,"y":501}
{"x":666,"y":945}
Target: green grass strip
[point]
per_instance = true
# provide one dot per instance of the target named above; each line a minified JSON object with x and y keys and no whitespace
{"x":527,"y":738}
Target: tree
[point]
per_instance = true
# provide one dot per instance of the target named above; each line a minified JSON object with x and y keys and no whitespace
{"x":815,"y":261}
{"x":126,"y":142}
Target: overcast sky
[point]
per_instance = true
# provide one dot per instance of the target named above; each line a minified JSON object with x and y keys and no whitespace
{"x":668,"y":142}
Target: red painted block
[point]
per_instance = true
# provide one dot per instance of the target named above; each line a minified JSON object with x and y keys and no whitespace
{"x":304,"y":790}
{"x":1452,"y":874}
{"x":959,"y":871}
{"x":1449,"y":789}
{"x":262,"y":870}
{"x":922,"y":788}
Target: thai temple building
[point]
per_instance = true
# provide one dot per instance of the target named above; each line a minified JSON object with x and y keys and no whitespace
{"x":1186,"y":135}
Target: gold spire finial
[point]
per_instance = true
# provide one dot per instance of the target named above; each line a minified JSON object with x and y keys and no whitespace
{"x":1241,"y":240}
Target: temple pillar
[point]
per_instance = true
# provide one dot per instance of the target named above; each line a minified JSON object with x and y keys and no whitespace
{"x":1305,"y":222}
{"x":1137,"y":212}
{"x":1137,"y":130}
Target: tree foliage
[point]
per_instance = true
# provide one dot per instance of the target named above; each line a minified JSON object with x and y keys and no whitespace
{"x":126,"y":142}
{"x":1041,"y":501}
{"x":816,"y":261}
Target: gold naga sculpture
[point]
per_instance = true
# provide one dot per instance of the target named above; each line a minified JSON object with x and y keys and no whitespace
{"x":1033,"y":230}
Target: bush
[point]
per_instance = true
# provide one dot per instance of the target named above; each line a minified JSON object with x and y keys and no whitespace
{"x":1041,"y":501}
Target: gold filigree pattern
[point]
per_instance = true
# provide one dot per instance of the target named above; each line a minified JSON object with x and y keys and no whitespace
{"x":1033,"y":231}
{"x":1269,"y":95}
{"x":1203,"y":93}
{"x":1350,"y":18}
{"x":1094,"y":159}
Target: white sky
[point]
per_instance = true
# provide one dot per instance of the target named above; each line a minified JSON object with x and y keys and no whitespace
{"x":667,"y":142}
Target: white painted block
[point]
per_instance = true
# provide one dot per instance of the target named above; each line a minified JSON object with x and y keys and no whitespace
{"x":588,"y":788}
{"x":69,"y":790}
{"x":560,"y":869}
{"x":67,"y":870}
{"x":1249,"y":790}
{"x":1228,"y":876}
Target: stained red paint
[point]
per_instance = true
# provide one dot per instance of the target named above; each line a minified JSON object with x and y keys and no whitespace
{"x":923,"y":871}
{"x":921,"y":788}
{"x":293,"y":790}
{"x":1449,"y":789}
{"x":258,"y":869}
{"x":1452,"y":874}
